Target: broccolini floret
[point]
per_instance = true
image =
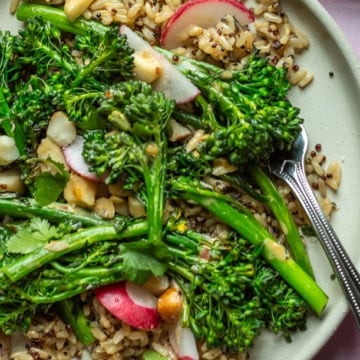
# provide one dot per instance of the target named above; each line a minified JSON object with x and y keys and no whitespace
{"x":139,"y":145}
{"x":232,"y":294}
{"x":229,"y":211}
{"x":245,"y":113}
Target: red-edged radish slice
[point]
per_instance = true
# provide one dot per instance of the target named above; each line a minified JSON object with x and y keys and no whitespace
{"x":171,"y":82}
{"x":130,"y":303}
{"x":75,"y":160}
{"x":183,"y":342}
{"x":203,"y":13}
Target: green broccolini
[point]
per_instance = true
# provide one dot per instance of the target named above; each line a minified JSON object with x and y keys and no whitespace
{"x":230,"y":295}
{"x":38,"y":69}
{"x":245,"y":113}
{"x":278,"y":206}
{"x":139,"y":146}
{"x":239,"y":218}
{"x":84,"y":259}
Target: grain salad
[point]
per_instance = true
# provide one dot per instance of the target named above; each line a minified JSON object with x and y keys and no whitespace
{"x":228,"y":45}
{"x":273,"y":33}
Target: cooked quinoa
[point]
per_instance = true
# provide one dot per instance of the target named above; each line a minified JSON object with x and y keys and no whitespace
{"x":227,"y":43}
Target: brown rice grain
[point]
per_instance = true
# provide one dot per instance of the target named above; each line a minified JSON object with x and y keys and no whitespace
{"x":135,"y":9}
{"x":98,"y":334}
{"x":163,"y":15}
{"x":296,"y":76}
{"x":319,"y":170}
{"x":271,"y":17}
{"x":151,"y":9}
{"x":306,"y":80}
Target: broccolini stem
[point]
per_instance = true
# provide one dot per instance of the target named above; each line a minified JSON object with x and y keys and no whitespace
{"x":73,"y":315}
{"x":54,"y":56}
{"x":248,"y":227}
{"x":56,"y":212}
{"x":54,"y":290}
{"x":154,"y":181}
{"x":287,"y":224}
{"x":57,"y":17}
{"x":24,"y":265}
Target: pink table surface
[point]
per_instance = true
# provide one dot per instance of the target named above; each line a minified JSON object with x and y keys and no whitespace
{"x":345,"y":343}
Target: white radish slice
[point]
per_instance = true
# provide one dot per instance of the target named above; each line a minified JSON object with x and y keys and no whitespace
{"x":130,"y":303}
{"x":171,"y":81}
{"x":75,"y":160}
{"x":203,"y":13}
{"x":183,"y":342}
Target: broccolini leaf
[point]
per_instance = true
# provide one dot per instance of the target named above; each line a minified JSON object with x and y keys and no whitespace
{"x":138,"y":267}
{"x":35,"y":234}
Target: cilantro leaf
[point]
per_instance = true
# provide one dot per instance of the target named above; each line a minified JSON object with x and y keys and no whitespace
{"x":138,"y":266}
{"x":33,"y":235}
{"x":48,"y":186}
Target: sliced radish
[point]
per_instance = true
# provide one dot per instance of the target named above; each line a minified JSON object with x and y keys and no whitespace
{"x":171,"y":82}
{"x":75,"y":160}
{"x":130,"y":303}
{"x":203,"y":13}
{"x":183,"y":342}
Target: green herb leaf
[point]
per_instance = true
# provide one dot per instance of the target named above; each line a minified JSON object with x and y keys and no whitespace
{"x":49,"y":186}
{"x":138,"y":267}
{"x":33,"y":235}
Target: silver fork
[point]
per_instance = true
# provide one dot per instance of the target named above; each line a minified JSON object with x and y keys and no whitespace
{"x":289,"y":166}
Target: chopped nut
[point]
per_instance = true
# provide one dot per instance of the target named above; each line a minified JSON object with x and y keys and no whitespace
{"x":136,"y":207}
{"x":104,"y":208}
{"x":121,"y":205}
{"x":178,"y":131}
{"x":326,"y":205}
{"x":80,"y":191}
{"x":10,"y":181}
{"x":333,"y":175}
{"x":147,"y":67}
{"x":221,"y":166}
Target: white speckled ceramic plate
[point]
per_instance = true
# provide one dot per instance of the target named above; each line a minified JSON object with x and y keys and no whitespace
{"x":331,"y":108}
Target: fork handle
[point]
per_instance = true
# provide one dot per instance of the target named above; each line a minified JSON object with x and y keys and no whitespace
{"x":347,"y":274}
